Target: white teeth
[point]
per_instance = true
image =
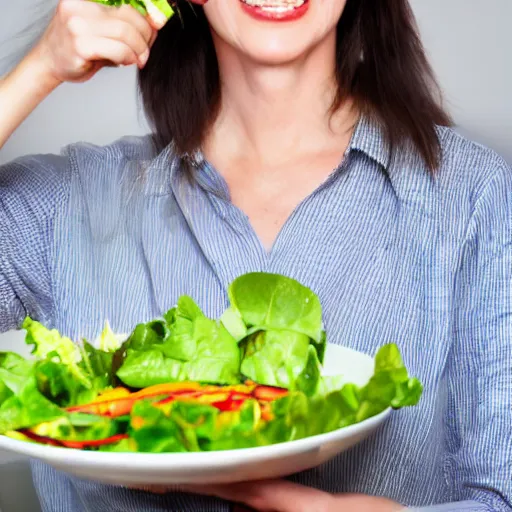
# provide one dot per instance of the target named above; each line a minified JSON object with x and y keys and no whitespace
{"x":276,"y":6}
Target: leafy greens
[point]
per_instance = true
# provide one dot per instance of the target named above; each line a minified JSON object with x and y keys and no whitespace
{"x":186,"y":382}
{"x":143,"y":6}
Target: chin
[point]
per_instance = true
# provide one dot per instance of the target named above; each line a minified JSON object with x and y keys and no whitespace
{"x":273,"y":32}
{"x":274,"y":51}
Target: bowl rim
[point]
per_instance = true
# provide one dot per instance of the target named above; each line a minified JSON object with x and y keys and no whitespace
{"x":157,"y":461}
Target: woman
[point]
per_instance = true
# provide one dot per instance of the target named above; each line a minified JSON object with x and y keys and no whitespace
{"x":298,"y":137}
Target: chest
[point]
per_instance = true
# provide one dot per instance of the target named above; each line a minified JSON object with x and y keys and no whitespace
{"x":269,"y":194}
{"x":383,"y":273}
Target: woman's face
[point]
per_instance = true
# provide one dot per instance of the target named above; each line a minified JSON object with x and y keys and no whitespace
{"x":273,"y":32}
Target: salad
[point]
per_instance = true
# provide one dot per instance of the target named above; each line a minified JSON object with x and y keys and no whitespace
{"x":158,"y":10}
{"x":186,"y":382}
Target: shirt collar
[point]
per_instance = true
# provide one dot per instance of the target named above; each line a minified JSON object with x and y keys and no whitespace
{"x":370,"y":139}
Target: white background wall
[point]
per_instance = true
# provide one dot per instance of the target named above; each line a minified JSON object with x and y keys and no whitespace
{"x":469,"y":41}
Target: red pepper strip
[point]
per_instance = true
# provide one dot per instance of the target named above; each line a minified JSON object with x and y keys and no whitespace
{"x":94,"y":444}
{"x":209,"y":397}
{"x":177,"y":396}
{"x":268,"y":393}
{"x":40,"y":439}
{"x":231,"y":404}
{"x":123,"y":405}
{"x":74,"y":444}
{"x":167,"y":389}
{"x":114,"y":409}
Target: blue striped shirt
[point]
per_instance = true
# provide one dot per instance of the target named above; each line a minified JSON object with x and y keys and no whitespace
{"x":395,"y":254}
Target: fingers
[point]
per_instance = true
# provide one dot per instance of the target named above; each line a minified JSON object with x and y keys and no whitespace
{"x":94,"y":49}
{"x":114,"y":29}
{"x":127,"y":33}
{"x":134,"y":18}
{"x":275,"y":495}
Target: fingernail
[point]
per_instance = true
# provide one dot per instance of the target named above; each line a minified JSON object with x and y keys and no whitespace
{"x":143,"y":58}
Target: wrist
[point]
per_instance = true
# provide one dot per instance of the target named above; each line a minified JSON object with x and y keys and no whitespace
{"x":39,"y":66}
{"x":21,"y":91}
{"x":33,"y":76}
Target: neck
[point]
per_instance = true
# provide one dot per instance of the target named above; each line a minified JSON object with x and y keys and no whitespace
{"x":270,"y":112}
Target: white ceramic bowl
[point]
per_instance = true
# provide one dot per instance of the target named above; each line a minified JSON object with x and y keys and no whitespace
{"x":139,"y":469}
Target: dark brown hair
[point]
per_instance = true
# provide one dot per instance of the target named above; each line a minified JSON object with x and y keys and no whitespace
{"x":381,"y":64}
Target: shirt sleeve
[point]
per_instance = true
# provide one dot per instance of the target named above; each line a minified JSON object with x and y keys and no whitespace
{"x":479,"y":414}
{"x":459,"y":506}
{"x":33,"y":191}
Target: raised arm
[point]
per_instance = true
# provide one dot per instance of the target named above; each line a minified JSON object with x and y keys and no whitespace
{"x":82,"y":38}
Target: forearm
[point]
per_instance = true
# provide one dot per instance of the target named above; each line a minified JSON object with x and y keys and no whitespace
{"x":21,"y":91}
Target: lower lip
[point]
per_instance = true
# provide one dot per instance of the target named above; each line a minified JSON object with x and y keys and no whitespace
{"x":264,"y":15}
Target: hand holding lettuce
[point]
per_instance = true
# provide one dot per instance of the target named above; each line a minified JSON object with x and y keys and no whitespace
{"x":186,"y":382}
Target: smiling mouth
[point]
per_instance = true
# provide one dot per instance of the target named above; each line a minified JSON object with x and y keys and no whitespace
{"x":276,"y":7}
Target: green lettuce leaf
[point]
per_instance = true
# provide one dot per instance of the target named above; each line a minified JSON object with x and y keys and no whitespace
{"x":217,"y":357}
{"x":142,"y":6}
{"x":98,"y":364}
{"x":275,"y":358}
{"x":108,"y":341}
{"x":310,"y":379}
{"x":14,"y":371}
{"x":234,"y":324}
{"x":154,"y":432}
{"x":271,"y":301}
{"x":390,"y":385}
{"x":49,"y":344}
{"x":27,"y":408}
{"x":236,"y":429}
{"x":147,"y":368}
{"x":68,"y":373}
{"x":182,"y":321}
{"x":186,"y":346}
{"x":78,"y":428}
{"x":148,"y":337}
